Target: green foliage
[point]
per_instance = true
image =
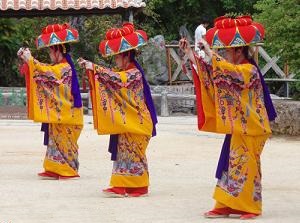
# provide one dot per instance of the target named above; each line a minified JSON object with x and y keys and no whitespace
{"x":91,"y":31}
{"x":8,"y":46}
{"x":166,"y":16}
{"x":235,"y":7}
{"x":15,"y":33}
{"x":281,"y":19}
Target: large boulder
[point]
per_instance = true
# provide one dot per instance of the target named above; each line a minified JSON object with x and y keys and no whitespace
{"x":153,"y":61}
{"x":288,"y":117}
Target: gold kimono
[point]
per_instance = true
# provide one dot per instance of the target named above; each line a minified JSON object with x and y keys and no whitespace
{"x":119,"y":108}
{"x":50,"y":101}
{"x":230,"y":101}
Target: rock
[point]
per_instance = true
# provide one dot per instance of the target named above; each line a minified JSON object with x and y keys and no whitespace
{"x":153,"y":61}
{"x":183,"y":32}
{"x":288,"y":117}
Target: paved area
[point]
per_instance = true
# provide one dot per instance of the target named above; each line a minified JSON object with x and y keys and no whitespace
{"x":182,"y":164}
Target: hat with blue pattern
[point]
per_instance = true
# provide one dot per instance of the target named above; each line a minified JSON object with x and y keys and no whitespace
{"x":56,"y":34}
{"x":119,"y":40}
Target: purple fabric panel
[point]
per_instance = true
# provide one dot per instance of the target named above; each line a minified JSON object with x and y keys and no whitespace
{"x":113,"y":146}
{"x":224,"y":156}
{"x":113,"y":142}
{"x":148,"y":98}
{"x":267,"y":98}
{"x":45,"y":129}
{"x":75,"y":90}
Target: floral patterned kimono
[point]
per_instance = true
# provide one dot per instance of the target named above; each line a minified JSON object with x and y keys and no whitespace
{"x":230,"y":100}
{"x":50,"y":101}
{"x":119,"y":109}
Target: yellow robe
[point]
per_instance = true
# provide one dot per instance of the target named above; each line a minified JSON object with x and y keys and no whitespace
{"x":119,"y":108}
{"x":50,"y":101}
{"x":50,"y":95}
{"x":230,"y":101}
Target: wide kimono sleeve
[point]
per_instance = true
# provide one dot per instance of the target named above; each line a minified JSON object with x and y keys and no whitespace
{"x":118,"y":102}
{"x":205,"y":99}
{"x":49,"y":94}
{"x":232,"y":98}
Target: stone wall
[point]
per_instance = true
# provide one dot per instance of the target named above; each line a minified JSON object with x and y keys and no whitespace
{"x":175,"y":107}
{"x":288,"y":117}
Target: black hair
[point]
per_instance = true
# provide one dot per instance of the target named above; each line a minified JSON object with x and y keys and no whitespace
{"x":61,"y":47}
{"x":131,"y":54}
{"x":245,"y":51}
{"x":204,"y":20}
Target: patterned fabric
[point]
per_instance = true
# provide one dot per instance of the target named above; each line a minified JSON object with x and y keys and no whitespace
{"x":120,"y":109}
{"x":119,"y":103}
{"x":228,"y":32}
{"x":50,"y":99}
{"x":240,"y":187}
{"x":130,"y":169}
{"x":69,"y":4}
{"x":232,"y":99}
{"x":62,"y":150}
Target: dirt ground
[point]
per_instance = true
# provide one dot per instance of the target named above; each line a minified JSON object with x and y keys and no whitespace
{"x":182,"y":163}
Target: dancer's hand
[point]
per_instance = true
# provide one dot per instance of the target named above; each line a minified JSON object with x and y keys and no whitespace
{"x":88,"y":65}
{"x":185,"y":46}
{"x":24,"y":54}
{"x":205,"y":46}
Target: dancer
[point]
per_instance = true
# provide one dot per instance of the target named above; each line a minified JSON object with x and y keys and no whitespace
{"x":233,"y":99}
{"x":53,"y":98}
{"x":123,"y":108}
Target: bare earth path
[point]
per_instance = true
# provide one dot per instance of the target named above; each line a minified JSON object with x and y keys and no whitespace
{"x":182,"y":164}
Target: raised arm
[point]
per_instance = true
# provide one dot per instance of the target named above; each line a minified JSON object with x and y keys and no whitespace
{"x":185,"y":46}
{"x":25,"y":55}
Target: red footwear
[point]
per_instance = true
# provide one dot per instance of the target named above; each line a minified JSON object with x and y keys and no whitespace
{"x":48,"y":175}
{"x":137,"y":192}
{"x":248,"y":216}
{"x":68,"y":177}
{"x":244,"y":215}
{"x":217,"y":213}
{"x":115,"y":192}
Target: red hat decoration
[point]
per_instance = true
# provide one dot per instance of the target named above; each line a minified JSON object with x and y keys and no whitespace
{"x":229,"y":32}
{"x":56,"y":34}
{"x":119,"y":40}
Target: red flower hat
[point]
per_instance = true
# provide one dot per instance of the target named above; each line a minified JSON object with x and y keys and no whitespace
{"x":228,"y":32}
{"x":119,"y":40}
{"x":56,"y":34}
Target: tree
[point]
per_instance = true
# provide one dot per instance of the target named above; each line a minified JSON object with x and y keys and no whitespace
{"x":166,"y":16}
{"x":239,"y":7}
{"x":8,"y":46}
{"x":281,"y":19}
